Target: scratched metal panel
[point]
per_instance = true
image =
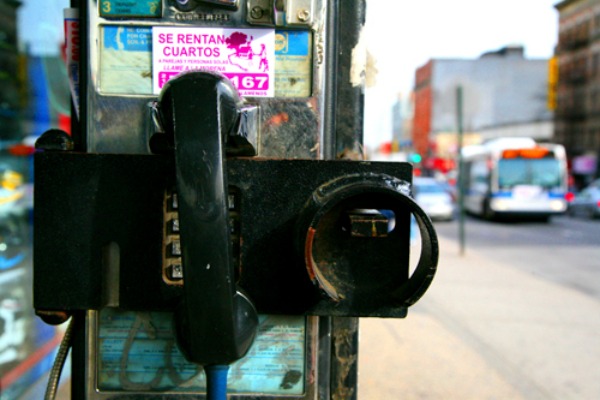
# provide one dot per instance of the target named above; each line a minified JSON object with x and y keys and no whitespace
{"x":288,"y":127}
{"x":137,"y":355}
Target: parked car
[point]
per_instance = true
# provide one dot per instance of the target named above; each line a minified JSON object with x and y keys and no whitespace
{"x":435,"y":199}
{"x":587,"y":202}
{"x":595,"y":183}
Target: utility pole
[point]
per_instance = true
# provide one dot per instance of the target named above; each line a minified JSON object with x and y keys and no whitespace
{"x":461,"y":182}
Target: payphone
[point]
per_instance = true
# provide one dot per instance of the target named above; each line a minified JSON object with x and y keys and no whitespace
{"x":201,"y":223}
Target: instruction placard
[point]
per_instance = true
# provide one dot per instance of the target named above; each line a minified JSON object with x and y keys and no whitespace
{"x":125,"y":60}
{"x":245,"y":56}
{"x":137,"y":352}
{"x":293,"y":63}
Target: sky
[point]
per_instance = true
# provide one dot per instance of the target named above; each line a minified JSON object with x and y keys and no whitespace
{"x":41,"y":25}
{"x":403,"y":35}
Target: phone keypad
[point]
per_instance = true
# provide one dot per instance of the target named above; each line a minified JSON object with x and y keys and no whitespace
{"x":173,"y":272}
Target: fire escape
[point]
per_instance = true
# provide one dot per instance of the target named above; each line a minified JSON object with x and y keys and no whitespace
{"x":573,"y":88}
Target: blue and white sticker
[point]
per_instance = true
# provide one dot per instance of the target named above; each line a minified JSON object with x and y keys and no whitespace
{"x":125,"y":61}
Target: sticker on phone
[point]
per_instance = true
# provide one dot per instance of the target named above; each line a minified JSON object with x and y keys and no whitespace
{"x":293,"y":63}
{"x":125,"y":60}
{"x":245,"y":56}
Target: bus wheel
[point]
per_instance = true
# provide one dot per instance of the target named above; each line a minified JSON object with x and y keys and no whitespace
{"x":488,"y":213}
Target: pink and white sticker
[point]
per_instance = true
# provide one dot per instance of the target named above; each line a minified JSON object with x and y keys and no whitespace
{"x":245,"y":56}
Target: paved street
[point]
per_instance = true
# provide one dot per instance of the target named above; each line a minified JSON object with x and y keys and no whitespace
{"x":518,"y":317}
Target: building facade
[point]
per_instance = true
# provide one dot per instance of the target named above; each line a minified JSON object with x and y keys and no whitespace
{"x":577,"y":120}
{"x":504,"y":94}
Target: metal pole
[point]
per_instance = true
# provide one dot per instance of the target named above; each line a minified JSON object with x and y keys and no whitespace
{"x":461,"y":181}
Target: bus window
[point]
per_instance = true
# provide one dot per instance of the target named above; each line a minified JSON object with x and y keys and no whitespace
{"x":512,"y":172}
{"x":544,"y":172}
{"x":479,"y":173}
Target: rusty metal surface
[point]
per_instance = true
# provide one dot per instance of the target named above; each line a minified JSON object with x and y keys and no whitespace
{"x":344,"y":358}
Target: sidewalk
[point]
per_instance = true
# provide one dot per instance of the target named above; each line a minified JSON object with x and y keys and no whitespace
{"x":484,"y":331}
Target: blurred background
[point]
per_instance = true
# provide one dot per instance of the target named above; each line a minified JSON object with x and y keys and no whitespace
{"x":515,"y":308}
{"x":516,"y":315}
{"x":34,"y":97}
{"x":523,"y":74}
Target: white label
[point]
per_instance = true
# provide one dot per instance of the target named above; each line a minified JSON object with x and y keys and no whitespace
{"x":245,"y":56}
{"x":526,"y":192}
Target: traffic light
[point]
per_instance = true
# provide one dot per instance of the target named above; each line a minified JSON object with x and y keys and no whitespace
{"x":415,"y":158}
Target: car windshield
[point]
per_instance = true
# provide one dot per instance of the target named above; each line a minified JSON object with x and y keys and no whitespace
{"x":428,"y":188}
{"x":544,"y":172}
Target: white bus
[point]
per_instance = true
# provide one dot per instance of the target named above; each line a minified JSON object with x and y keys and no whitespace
{"x":515,"y":177}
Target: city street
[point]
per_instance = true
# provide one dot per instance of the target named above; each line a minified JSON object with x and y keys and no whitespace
{"x":516,"y":317}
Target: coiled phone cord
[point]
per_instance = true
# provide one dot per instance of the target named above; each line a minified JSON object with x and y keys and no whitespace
{"x":59,"y":363}
{"x":216,"y":381}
